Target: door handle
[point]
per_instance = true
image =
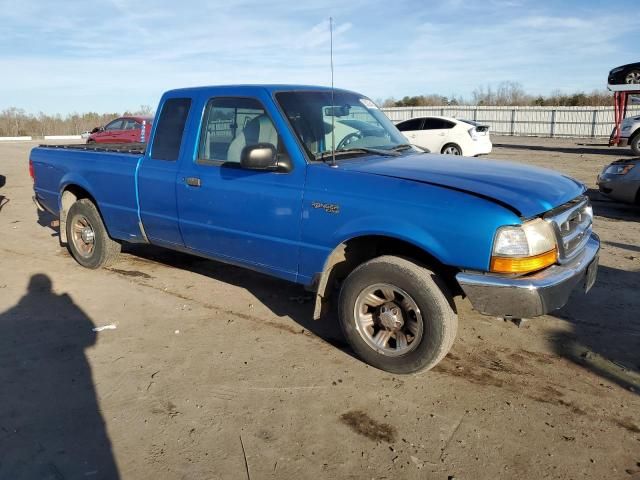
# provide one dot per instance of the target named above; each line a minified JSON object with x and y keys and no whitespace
{"x":192,"y":181}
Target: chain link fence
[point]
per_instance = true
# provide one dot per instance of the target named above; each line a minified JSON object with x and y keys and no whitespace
{"x":525,"y":121}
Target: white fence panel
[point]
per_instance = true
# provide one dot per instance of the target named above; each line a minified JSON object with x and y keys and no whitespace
{"x":525,"y":121}
{"x":62,"y":137}
{"x":14,"y":139}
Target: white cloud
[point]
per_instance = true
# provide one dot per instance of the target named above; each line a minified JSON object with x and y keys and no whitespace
{"x":123,"y":54}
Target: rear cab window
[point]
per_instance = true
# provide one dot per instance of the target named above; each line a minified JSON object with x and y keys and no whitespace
{"x":170,"y":129}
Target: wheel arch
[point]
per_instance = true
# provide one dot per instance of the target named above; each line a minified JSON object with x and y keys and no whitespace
{"x":454,"y":144}
{"x":69,"y":194}
{"x":350,"y":253}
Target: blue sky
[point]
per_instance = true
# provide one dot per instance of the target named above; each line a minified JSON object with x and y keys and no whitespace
{"x":60,"y":57}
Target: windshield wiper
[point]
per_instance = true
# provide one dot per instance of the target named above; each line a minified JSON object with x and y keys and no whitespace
{"x":351,"y":151}
{"x":406,"y":146}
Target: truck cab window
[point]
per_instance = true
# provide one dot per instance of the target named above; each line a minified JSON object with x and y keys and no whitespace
{"x":168,"y":135}
{"x":229,"y":125}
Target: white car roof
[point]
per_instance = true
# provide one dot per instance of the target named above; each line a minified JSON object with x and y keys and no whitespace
{"x":451,"y":119}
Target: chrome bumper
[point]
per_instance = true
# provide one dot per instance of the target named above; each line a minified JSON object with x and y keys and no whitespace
{"x":533,"y":295}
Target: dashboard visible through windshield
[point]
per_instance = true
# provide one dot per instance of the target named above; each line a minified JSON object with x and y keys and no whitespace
{"x":347,"y":123}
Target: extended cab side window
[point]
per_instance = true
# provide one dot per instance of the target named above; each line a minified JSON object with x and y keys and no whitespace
{"x":170,"y":128}
{"x":230,"y":124}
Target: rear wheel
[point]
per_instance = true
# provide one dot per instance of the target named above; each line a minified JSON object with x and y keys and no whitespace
{"x":396,"y":315}
{"x":451,"y":149}
{"x":87,"y":238}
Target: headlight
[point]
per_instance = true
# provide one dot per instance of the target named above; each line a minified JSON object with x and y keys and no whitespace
{"x":524,"y":248}
{"x":619,"y":169}
{"x":616,"y":70}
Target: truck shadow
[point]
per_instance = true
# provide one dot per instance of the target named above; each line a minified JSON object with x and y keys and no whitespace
{"x":605,"y":328}
{"x":579,"y":149}
{"x":284,"y":299}
{"x":50,"y":421}
{"x":605,"y":207}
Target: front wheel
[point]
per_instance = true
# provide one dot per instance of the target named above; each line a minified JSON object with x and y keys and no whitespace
{"x":396,"y":315}
{"x":87,"y":238}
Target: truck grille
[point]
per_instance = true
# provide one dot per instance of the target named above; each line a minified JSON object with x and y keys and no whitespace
{"x":572,"y":223}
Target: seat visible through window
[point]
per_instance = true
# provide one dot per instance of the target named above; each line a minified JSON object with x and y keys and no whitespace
{"x":230,"y":125}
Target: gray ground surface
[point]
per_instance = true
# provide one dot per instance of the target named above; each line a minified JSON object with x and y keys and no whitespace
{"x":217,"y":372}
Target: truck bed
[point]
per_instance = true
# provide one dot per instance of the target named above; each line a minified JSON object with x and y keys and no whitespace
{"x":107,"y":172}
{"x":134,"y":148}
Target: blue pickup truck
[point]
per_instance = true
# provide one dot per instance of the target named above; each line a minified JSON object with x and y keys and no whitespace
{"x":316,"y":186}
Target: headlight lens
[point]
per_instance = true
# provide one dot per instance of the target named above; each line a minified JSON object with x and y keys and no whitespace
{"x":525,"y":248}
{"x":620,"y":169}
{"x":616,"y":70}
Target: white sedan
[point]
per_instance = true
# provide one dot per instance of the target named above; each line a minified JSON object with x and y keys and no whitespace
{"x":447,"y":135}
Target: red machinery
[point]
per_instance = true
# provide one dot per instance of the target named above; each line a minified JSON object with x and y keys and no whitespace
{"x":621,"y":95}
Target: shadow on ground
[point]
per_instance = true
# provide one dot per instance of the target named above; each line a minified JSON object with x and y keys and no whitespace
{"x":281,"y":297}
{"x":284,"y":299}
{"x":50,"y":421}
{"x":605,"y":207}
{"x":605,"y":328}
{"x":3,"y":200}
{"x":578,"y":149}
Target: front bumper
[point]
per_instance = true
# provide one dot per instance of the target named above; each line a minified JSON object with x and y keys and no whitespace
{"x":618,"y":188}
{"x":535,"y":294}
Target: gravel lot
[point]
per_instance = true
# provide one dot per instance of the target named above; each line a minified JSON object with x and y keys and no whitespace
{"x":217,"y":372}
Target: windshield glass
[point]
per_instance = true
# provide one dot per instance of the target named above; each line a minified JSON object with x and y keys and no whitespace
{"x":354,"y":120}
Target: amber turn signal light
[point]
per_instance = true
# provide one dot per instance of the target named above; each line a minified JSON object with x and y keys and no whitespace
{"x":523,"y":264}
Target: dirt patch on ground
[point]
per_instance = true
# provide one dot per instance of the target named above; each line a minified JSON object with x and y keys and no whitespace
{"x":360,"y":422}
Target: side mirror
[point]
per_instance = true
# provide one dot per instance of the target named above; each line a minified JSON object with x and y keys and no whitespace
{"x":97,"y":129}
{"x":262,"y":156}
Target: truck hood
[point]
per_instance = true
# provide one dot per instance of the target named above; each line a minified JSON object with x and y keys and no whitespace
{"x":527,"y":190}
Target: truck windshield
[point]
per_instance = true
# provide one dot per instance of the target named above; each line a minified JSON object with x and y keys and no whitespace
{"x":352,"y":123}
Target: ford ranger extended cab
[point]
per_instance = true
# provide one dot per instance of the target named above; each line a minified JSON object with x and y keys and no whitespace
{"x":318,"y":187}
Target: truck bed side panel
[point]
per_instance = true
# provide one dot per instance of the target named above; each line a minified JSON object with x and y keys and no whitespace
{"x":108,"y":177}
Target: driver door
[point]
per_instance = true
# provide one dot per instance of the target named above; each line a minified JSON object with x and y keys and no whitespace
{"x":242,"y":216}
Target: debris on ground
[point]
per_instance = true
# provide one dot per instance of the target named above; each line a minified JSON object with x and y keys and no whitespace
{"x":111,"y":326}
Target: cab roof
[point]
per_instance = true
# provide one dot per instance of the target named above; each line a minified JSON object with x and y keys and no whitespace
{"x":252,"y":89}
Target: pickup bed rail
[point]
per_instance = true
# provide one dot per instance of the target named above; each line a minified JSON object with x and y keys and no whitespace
{"x":137,"y":148}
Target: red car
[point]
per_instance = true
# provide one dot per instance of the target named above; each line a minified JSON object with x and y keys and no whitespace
{"x":122,"y":130}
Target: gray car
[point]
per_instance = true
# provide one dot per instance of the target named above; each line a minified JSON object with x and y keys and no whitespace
{"x":621,"y":180}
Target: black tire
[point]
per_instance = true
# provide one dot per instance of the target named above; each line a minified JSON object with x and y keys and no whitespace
{"x":451,"y":149}
{"x":634,"y":143}
{"x":438,"y":318}
{"x":102,"y":251}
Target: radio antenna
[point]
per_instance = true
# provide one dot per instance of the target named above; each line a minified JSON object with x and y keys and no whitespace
{"x":333,"y":113}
